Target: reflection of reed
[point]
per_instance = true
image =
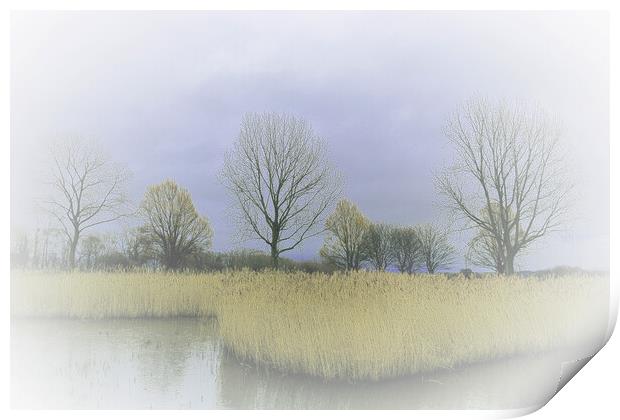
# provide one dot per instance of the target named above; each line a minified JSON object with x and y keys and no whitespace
{"x":238,"y":384}
{"x":510,"y":383}
{"x":164,"y":348}
{"x":179,"y":363}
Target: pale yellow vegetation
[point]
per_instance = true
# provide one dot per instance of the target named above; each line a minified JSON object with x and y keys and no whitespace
{"x":362,"y":325}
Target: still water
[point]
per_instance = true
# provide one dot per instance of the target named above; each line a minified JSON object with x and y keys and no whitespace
{"x":181,"y":364}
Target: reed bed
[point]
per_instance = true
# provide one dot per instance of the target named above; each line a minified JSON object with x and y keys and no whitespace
{"x":353,"y":326}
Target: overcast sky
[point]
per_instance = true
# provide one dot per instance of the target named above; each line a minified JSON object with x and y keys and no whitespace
{"x":165,"y":92}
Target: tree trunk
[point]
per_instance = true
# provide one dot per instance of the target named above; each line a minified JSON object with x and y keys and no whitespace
{"x":275,"y":257}
{"x":172,"y":262}
{"x":509,"y":268}
{"x":72,"y":250}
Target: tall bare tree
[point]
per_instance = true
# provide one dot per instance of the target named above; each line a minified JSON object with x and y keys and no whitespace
{"x":378,"y":246}
{"x":344,"y":244}
{"x":507,"y":158}
{"x":406,"y":248}
{"x":87,"y":190}
{"x":437,"y":252}
{"x":281,"y":180}
{"x":176,"y":229}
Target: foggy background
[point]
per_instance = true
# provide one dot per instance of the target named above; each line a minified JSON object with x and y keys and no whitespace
{"x":164,"y":94}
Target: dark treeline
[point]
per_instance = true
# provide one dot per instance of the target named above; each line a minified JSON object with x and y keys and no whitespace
{"x":126,"y":252}
{"x":119,"y":253}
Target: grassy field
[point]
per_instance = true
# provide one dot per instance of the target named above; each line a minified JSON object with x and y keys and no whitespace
{"x":348,"y":326}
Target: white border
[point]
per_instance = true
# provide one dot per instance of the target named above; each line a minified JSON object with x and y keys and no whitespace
{"x":591,"y":393}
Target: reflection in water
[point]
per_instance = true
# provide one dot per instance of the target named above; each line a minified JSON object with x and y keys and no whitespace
{"x":506,"y":384}
{"x":180,"y":363}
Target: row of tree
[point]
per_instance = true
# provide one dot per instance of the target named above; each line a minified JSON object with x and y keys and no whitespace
{"x":131,"y":250}
{"x":174,"y":236}
{"x":353,"y":242}
{"x":506,"y":183}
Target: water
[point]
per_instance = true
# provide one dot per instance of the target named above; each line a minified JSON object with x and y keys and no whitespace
{"x":181,"y":364}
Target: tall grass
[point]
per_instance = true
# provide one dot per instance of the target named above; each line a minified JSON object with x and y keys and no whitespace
{"x":351,"y":326}
{"x":102,"y":295}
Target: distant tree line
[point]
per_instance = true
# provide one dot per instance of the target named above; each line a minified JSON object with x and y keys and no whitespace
{"x":131,"y":251}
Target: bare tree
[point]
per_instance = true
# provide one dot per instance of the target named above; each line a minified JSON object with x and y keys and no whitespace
{"x":86,"y":190}
{"x":506,"y":159}
{"x":437,"y":252}
{"x":378,"y":246}
{"x":344,"y":245}
{"x":175,"y":228}
{"x":281,"y":180}
{"x":406,"y":248}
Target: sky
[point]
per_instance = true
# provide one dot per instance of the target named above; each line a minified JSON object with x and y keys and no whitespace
{"x":164,"y":94}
